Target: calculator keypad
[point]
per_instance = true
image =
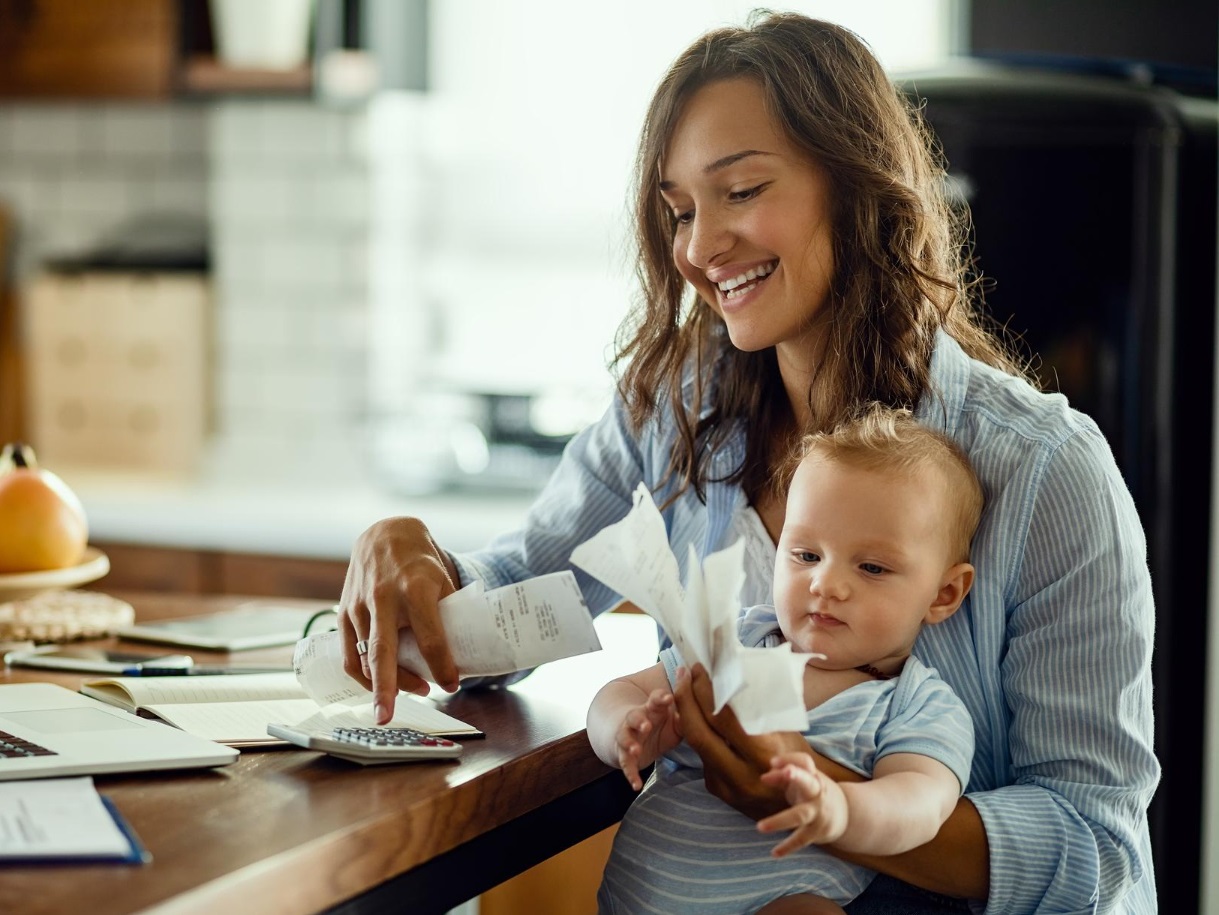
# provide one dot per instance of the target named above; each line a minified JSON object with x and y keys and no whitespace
{"x":389,"y":737}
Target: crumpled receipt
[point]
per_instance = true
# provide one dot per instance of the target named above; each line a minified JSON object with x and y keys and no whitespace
{"x":493,"y":632}
{"x":764,"y":687}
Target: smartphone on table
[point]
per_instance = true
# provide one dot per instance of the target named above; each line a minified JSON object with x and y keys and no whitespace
{"x":93,"y":660}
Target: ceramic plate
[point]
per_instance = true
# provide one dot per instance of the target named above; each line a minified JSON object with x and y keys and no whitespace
{"x":20,"y":585}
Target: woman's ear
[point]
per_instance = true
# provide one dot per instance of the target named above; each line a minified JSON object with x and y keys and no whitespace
{"x":953,"y":587}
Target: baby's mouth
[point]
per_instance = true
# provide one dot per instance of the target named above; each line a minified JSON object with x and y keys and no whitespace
{"x":746,"y":282}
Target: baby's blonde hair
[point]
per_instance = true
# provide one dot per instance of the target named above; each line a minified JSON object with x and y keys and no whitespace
{"x":885,"y":439}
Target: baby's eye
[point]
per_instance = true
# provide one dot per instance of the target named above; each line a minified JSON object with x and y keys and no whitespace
{"x":872,"y":568}
{"x":806,"y":556}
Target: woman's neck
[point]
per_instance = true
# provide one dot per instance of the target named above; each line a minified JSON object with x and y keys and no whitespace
{"x":797,"y":360}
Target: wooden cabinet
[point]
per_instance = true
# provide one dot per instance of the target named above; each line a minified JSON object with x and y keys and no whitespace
{"x":93,"y":49}
{"x":184,"y":571}
{"x":123,"y":49}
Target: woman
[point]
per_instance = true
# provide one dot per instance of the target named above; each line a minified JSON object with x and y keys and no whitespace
{"x":783,"y":179}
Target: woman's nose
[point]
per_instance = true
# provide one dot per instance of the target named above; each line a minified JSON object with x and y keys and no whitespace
{"x":709,"y":238}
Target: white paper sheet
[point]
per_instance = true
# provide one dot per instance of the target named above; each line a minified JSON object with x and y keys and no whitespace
{"x":511,"y":628}
{"x":490,"y":632}
{"x":763,"y":686}
{"x":59,"y":817}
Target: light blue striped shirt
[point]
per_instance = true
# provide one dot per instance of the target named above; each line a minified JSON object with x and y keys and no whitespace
{"x":1051,"y":652}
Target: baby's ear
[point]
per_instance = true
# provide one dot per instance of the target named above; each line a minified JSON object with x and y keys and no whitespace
{"x":954,"y":586}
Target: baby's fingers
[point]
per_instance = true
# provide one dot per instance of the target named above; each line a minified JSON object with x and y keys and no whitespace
{"x":794,"y":842}
{"x":659,"y":699}
{"x":791,"y":818}
{"x":637,"y":723}
{"x":631,"y":771}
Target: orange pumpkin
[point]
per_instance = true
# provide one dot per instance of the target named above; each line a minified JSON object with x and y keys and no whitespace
{"x":42,"y":523}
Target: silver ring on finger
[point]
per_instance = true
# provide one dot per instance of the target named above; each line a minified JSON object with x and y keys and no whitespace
{"x":362,"y":647}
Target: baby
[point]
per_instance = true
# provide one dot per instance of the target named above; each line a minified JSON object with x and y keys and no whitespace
{"x":875,"y":544}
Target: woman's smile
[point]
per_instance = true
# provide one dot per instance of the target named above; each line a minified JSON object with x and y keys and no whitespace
{"x":736,"y":289}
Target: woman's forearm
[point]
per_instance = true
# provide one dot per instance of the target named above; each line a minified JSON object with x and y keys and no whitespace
{"x":956,"y":862}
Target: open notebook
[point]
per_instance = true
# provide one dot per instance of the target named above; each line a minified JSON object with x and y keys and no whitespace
{"x":235,"y":710}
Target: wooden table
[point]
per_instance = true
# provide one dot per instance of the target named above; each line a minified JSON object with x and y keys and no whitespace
{"x":292,"y":831}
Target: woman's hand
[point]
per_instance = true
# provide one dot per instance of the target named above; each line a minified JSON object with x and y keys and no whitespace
{"x":818,"y":813}
{"x":733,"y":761}
{"x":396,"y":578}
{"x":640,"y":737}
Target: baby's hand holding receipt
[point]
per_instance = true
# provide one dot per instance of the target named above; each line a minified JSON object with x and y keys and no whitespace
{"x":489,"y":632}
{"x":763,"y":686}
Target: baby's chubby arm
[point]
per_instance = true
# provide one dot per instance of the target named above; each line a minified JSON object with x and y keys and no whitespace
{"x":632,"y":721}
{"x":902,"y":807}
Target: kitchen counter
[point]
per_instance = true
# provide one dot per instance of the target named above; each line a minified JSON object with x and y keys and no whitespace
{"x":283,"y":519}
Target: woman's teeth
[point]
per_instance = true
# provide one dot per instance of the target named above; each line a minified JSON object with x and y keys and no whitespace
{"x":745,"y":282}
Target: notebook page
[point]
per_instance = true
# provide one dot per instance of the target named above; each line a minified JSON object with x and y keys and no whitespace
{"x":242,"y":722}
{"x":146,"y":691}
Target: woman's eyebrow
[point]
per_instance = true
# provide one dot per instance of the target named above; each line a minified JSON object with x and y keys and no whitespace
{"x":720,"y":164}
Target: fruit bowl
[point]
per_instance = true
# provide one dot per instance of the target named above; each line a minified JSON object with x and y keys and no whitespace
{"x":20,"y":585}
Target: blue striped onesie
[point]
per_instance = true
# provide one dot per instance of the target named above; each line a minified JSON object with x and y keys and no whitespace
{"x":679,"y":849}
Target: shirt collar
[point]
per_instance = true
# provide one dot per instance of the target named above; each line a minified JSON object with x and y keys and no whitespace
{"x":941,"y":405}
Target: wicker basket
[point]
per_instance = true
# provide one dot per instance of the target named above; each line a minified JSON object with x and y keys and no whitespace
{"x":63,"y":616}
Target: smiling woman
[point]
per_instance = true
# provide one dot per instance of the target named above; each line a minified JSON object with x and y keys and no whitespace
{"x":784,"y":147}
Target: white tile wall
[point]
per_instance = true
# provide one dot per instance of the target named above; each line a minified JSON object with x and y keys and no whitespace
{"x":284,"y":187}
{"x":289,"y":204}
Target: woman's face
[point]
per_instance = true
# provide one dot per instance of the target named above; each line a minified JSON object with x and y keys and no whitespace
{"x":753,"y":230}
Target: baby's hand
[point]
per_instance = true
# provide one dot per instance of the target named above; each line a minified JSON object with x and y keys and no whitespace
{"x":818,"y":811}
{"x":639,"y":735}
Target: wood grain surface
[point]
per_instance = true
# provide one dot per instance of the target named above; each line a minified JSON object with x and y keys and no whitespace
{"x":292,"y":831}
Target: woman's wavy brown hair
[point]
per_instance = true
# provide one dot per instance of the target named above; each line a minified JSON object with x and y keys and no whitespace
{"x":900,"y":254}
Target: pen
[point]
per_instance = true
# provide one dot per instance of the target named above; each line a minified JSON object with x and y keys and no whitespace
{"x":140,"y":671}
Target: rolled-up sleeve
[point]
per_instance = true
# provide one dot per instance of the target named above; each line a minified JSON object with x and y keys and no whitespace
{"x":1068,"y":835}
{"x":592,"y":487}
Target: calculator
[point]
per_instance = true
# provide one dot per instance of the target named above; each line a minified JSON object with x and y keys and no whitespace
{"x":370,"y":745}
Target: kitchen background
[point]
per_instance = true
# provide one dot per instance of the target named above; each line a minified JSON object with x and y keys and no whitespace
{"x":256,"y":309}
{"x":379,"y":266}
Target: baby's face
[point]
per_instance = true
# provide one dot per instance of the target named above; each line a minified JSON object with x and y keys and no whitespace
{"x":862,"y":556}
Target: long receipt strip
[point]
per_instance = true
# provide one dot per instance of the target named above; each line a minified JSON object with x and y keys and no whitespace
{"x":490,"y":632}
{"x":764,"y":687}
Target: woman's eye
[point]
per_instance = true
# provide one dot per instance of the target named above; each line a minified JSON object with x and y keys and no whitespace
{"x":872,"y":568}
{"x":737,"y":196}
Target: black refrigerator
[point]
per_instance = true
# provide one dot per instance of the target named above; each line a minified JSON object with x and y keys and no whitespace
{"x":1093,"y":201}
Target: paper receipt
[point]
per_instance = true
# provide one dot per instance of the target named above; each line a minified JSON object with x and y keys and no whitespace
{"x":763,"y":686}
{"x":493,"y":632}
